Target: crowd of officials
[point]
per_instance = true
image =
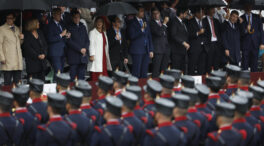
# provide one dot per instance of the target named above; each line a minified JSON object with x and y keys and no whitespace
{"x":194,"y":41}
{"x":172,"y":111}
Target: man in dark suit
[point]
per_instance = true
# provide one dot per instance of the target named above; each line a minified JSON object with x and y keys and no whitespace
{"x":179,"y":40}
{"x":231,"y":38}
{"x":118,"y":48}
{"x":213,"y":40}
{"x":56,"y":40}
{"x":196,"y":54}
{"x":252,"y":39}
{"x":160,"y":42}
{"x":78,"y":45}
{"x":141,"y":48}
{"x":65,"y":17}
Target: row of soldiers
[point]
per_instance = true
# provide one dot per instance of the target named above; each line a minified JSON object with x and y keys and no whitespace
{"x":173,"y":111}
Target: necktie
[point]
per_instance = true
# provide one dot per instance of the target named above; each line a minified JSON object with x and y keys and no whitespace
{"x":141,"y":22}
{"x":59,"y":26}
{"x":13,"y":28}
{"x":184,"y":26}
{"x":213,"y":28}
{"x":160,"y":24}
{"x":200,"y":24}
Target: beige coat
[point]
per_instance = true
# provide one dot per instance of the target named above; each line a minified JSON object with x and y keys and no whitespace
{"x":10,"y":49}
{"x":96,"y":50}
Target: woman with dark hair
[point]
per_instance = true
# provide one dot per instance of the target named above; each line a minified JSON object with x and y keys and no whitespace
{"x":99,"y":51}
{"x":35,"y":50}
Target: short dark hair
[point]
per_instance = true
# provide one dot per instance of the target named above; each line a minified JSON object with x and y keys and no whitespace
{"x":154,"y":9}
{"x":234,"y":12}
{"x":21,"y":103}
{"x":11,"y":13}
{"x":56,"y":10}
{"x":5,"y":108}
{"x":180,"y":11}
{"x":139,"y":6}
{"x":75,"y":12}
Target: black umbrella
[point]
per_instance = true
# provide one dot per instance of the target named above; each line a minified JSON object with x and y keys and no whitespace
{"x":74,"y":3}
{"x":143,"y":1}
{"x":207,"y":3}
{"x":240,"y":4}
{"x":25,"y":4}
{"x":116,"y":8}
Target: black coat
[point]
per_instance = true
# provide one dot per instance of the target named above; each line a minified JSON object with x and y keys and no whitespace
{"x":159,"y":37}
{"x":177,"y":35}
{"x":117,"y":51}
{"x":32,"y":48}
{"x":79,"y":39}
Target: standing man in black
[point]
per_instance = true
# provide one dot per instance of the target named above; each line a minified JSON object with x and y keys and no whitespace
{"x":197,"y":53}
{"x":178,"y":35}
{"x":160,"y":42}
{"x":213,"y":42}
{"x":118,"y":48}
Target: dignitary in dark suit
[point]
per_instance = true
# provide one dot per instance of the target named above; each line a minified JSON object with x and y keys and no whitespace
{"x":179,"y":40}
{"x":118,"y":48}
{"x":56,"y":40}
{"x":252,"y":39}
{"x":141,"y":48}
{"x":78,"y":45}
{"x":213,"y":40}
{"x":231,"y":38}
{"x":197,"y":53}
{"x":35,"y":50}
{"x":160,"y":42}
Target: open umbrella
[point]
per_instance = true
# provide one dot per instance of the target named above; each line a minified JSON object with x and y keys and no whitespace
{"x":240,"y":4}
{"x":25,"y":4}
{"x":116,"y":8}
{"x":74,"y":3}
{"x":207,"y":3}
{"x":143,"y":1}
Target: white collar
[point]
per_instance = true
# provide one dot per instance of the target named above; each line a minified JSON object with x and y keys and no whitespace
{"x":179,"y":19}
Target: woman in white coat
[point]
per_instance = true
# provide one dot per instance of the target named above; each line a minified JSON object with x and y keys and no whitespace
{"x":99,"y":51}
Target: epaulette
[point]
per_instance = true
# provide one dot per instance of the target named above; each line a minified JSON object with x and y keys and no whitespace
{"x":208,"y":116}
{"x":151,"y":113}
{"x":149,"y":132}
{"x":130,"y":128}
{"x":38,"y":116}
{"x":212,"y":136}
{"x":101,"y":111}
{"x":197,"y":122}
{"x":261,"y":118}
{"x":41,"y":128}
{"x":184,"y":129}
{"x":144,"y":119}
{"x":72,"y":124}
{"x":243,"y":133}
{"x":258,"y":126}
{"x":22,"y":121}
{"x":98,"y":129}
{"x":93,"y":117}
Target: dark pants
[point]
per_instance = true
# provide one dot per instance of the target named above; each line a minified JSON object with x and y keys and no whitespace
{"x":213,"y":56}
{"x":178,"y":61}
{"x":140,"y":65}
{"x":57,"y":63}
{"x":77,"y":70}
{"x":39,"y":75}
{"x":197,"y":61}
{"x":8,"y":75}
{"x":250,"y":58}
{"x":160,"y":63}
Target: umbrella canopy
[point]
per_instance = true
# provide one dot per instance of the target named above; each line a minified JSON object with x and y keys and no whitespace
{"x":116,"y":8}
{"x":240,"y":4}
{"x":207,"y":3}
{"x":25,"y":4}
{"x":143,"y":1}
{"x":74,"y":3}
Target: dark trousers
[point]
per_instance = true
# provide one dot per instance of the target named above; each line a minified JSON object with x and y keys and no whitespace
{"x":57,"y":63}
{"x":140,"y":65}
{"x":250,"y":58}
{"x":39,"y":75}
{"x":160,"y":63}
{"x":77,"y":70}
{"x":9,"y":75}
{"x":213,"y":56}
{"x":178,"y":61}
{"x":197,"y":61}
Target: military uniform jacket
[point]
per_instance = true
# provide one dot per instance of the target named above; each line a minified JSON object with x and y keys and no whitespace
{"x":213,"y":99}
{"x":39,"y":110}
{"x":144,"y":117}
{"x":231,"y":89}
{"x":112,"y":134}
{"x":91,"y":113}
{"x":149,"y":107}
{"x":56,"y":132}
{"x":11,"y":130}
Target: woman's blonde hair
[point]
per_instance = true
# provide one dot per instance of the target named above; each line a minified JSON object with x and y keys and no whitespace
{"x":32,"y":25}
{"x":96,"y":21}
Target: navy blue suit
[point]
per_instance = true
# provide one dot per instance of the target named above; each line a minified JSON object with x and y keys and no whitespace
{"x":250,"y":42}
{"x":112,"y":134}
{"x":190,"y":129}
{"x":77,"y":61}
{"x":84,"y":128}
{"x":166,"y":134}
{"x":29,"y":126}
{"x":56,"y":45}
{"x":129,"y":119}
{"x":144,"y":117}
{"x":55,"y":133}
{"x":39,"y":110}
{"x":13,"y":127}
{"x":92,"y":113}
{"x":140,"y":47}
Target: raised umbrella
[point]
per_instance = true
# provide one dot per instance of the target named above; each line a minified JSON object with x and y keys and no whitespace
{"x":116,"y":8}
{"x":75,"y":3}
